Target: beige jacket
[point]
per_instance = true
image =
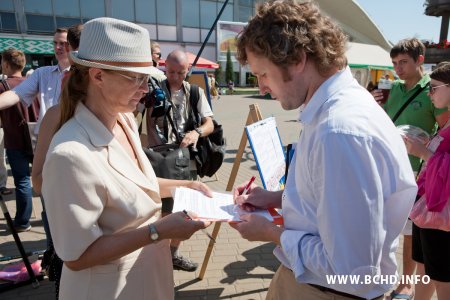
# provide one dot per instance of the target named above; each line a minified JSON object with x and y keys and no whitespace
{"x":92,"y":188}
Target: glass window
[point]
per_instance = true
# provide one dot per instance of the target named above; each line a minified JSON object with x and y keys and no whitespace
{"x":145,"y":11}
{"x":246,"y":2}
{"x":40,"y":23}
{"x":91,"y":9}
{"x":245,"y":13}
{"x":67,"y":8}
{"x":123,"y":9}
{"x":8,"y":21}
{"x":7,"y":5}
{"x":66,"y":22}
{"x":190,"y":13}
{"x":227,"y":14}
{"x":208,"y":13}
{"x":39,"y":7}
{"x":166,"y":12}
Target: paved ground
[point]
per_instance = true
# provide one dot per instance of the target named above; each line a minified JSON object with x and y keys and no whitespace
{"x":237,"y":269}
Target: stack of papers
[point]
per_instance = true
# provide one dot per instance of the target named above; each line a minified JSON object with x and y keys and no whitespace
{"x":220,"y":207}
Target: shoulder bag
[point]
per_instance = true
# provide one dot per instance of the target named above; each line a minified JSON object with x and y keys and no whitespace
{"x":210,"y":150}
{"x":168,"y":160}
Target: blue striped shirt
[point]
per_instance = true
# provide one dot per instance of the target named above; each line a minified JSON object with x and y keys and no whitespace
{"x":45,"y":83}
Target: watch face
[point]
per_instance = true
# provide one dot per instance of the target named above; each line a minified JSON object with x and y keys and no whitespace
{"x":153,"y":233}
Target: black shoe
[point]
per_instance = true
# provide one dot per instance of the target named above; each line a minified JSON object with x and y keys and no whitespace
{"x":182,"y":263}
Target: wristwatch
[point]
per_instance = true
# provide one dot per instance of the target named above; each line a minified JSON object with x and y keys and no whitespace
{"x":154,"y":235}
{"x":199,"y":131}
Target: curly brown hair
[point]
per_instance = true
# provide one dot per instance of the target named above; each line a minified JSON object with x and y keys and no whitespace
{"x":282,"y":29}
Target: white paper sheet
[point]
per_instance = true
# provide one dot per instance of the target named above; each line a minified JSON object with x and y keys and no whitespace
{"x":220,"y":207}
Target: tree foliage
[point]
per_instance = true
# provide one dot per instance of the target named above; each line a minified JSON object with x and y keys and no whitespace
{"x":218,"y":73}
{"x":229,"y":73}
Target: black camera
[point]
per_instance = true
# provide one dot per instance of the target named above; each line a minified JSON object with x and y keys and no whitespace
{"x":157,"y":99}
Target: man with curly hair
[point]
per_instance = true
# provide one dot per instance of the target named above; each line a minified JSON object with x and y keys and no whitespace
{"x":350,"y":185}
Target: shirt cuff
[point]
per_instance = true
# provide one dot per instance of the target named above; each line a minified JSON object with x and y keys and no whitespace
{"x":290,"y":243}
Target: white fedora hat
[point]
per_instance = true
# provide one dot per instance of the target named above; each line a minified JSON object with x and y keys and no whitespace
{"x":108,"y":43}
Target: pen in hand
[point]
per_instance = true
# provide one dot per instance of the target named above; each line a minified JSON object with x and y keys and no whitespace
{"x":247,"y":187}
{"x":248,"y":206}
{"x":203,"y":230}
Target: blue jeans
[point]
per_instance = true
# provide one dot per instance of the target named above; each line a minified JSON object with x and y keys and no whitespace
{"x":20,"y":169}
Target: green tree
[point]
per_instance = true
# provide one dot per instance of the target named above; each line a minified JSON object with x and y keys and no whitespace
{"x":229,"y":73}
{"x":218,"y":74}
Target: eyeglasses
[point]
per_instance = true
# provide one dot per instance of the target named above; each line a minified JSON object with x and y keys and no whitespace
{"x":157,"y":54}
{"x":138,"y":81}
{"x":433,"y":88}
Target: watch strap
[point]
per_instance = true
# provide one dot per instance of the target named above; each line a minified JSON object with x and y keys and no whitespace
{"x":199,"y":131}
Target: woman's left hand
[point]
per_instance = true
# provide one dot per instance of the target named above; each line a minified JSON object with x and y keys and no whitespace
{"x":200,"y":186}
{"x":416,"y":148}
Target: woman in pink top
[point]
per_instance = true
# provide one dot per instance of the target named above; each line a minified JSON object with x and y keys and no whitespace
{"x":431,"y":247}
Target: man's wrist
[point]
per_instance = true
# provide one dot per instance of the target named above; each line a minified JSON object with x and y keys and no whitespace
{"x":199,"y":131}
{"x":275,"y":234}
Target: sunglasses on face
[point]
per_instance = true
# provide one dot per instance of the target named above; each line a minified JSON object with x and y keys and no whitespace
{"x":158,"y":54}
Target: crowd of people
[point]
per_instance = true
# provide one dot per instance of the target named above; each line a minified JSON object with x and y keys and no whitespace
{"x":109,"y":218}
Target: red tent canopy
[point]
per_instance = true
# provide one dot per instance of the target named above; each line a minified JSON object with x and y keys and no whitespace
{"x":202,"y":63}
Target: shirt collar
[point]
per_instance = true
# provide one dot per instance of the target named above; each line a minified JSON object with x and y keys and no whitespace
{"x":421,"y":83}
{"x":329,"y":87}
{"x":56,"y":68}
{"x":424,"y":80}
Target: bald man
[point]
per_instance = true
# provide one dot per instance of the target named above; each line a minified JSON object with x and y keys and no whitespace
{"x":177,"y":66}
{"x":178,"y":91}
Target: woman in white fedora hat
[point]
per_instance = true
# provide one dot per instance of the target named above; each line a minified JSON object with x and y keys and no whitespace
{"x":102,"y":197}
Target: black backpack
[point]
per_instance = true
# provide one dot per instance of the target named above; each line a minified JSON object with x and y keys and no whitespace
{"x":210,"y":150}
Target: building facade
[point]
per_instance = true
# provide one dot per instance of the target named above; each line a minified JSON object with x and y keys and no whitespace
{"x":28,"y":25}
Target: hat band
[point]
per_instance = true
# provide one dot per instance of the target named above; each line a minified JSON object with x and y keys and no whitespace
{"x":124,"y":64}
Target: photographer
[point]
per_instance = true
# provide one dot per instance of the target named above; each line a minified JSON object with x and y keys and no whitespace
{"x":178,"y":110}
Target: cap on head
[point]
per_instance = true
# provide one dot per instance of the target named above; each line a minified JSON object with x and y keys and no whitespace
{"x":113,"y":44}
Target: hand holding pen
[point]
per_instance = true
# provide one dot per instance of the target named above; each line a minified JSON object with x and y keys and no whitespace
{"x":243,"y":191}
{"x":247,"y":187}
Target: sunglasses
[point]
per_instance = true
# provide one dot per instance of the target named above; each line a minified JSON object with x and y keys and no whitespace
{"x":433,"y":88}
{"x":157,"y":54}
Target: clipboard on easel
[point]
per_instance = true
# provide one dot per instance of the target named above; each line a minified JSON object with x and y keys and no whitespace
{"x":268,"y":151}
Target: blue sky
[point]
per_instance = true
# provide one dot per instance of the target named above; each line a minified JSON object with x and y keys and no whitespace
{"x":400,"y":19}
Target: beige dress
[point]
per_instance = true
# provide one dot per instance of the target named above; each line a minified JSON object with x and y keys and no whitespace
{"x":93,"y":188}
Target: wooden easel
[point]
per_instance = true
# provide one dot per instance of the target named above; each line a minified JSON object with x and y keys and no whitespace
{"x":254,"y":115}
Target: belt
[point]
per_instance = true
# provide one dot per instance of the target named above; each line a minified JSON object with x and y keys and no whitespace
{"x":326,"y":289}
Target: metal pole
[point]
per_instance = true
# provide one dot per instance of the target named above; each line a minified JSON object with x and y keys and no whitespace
{"x":206,"y":39}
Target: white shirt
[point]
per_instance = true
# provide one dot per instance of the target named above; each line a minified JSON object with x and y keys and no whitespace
{"x":349,"y":191}
{"x":45,"y":83}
